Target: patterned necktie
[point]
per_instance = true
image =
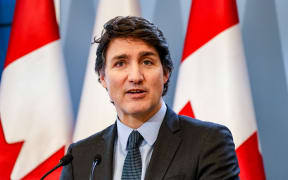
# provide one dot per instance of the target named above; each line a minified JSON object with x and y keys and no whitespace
{"x":133,"y":165}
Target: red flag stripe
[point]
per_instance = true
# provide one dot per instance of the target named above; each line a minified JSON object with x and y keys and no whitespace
{"x":206,"y":21}
{"x":41,"y":29}
{"x":250,"y":160}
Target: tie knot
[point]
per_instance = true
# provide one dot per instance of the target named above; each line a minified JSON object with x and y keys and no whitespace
{"x":134,"y":140}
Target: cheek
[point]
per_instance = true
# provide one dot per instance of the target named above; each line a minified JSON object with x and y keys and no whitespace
{"x":114,"y":85}
{"x":158,"y":81}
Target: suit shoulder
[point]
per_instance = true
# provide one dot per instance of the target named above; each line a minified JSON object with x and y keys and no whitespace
{"x":214,"y":145}
{"x":202,"y":127}
{"x":93,"y":138}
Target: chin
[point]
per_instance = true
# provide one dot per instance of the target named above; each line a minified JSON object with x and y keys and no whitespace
{"x":142,"y":108}
{"x":137,"y":110}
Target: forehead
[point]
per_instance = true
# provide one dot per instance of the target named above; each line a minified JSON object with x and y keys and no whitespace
{"x":127,"y":46}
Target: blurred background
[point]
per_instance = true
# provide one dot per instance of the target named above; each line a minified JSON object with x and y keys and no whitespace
{"x":264,"y":29}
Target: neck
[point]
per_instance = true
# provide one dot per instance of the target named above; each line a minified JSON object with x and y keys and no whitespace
{"x":133,"y":123}
{"x":137,"y":120}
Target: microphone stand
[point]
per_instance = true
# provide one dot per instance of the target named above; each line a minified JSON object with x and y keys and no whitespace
{"x":96,"y":161}
{"x":63,"y":161}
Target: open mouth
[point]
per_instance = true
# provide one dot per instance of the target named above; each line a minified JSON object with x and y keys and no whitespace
{"x":136,"y":91}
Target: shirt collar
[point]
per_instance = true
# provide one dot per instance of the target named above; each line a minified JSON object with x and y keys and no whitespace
{"x":149,"y":130}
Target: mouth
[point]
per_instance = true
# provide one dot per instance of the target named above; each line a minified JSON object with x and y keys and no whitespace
{"x":137,"y":93}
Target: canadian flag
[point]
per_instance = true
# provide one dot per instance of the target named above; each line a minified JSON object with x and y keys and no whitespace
{"x":35,"y":109}
{"x":96,"y":112}
{"x":213,"y":82}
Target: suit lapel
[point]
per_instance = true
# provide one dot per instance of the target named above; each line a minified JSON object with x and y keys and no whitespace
{"x":165,"y":146}
{"x":105,"y":169}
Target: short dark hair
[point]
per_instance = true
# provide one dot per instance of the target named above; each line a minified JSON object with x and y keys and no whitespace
{"x":138,"y":28}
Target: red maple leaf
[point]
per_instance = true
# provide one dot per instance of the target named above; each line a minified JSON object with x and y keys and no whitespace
{"x":8,"y":155}
{"x":47,"y":165}
{"x":187,"y":110}
{"x":10,"y":152}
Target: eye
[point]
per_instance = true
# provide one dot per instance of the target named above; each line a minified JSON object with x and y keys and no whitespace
{"x":147,"y":62}
{"x":119,"y":64}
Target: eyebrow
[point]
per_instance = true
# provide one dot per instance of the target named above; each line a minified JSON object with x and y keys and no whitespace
{"x":142,"y":54}
{"x":121,"y":56}
{"x":147,"y":53}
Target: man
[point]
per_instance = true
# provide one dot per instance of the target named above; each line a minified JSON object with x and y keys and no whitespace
{"x":148,"y":140}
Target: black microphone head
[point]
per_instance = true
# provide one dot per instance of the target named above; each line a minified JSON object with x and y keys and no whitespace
{"x":66,"y":159}
{"x":97,"y":158}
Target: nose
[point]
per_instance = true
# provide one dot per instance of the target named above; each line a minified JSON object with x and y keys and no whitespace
{"x":135,"y":74}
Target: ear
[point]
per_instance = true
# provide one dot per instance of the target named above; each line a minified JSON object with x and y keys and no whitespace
{"x":166,"y":76}
{"x":102,"y":80}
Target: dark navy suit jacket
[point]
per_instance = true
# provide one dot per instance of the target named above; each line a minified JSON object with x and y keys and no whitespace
{"x":185,"y":148}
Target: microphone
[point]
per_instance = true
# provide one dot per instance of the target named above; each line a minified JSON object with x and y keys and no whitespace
{"x":63,"y":162}
{"x":96,"y":161}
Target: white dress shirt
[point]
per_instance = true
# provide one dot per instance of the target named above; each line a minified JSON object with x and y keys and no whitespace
{"x":149,"y":130}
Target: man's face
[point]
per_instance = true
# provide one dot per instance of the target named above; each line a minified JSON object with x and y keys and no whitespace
{"x":134,"y":77}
